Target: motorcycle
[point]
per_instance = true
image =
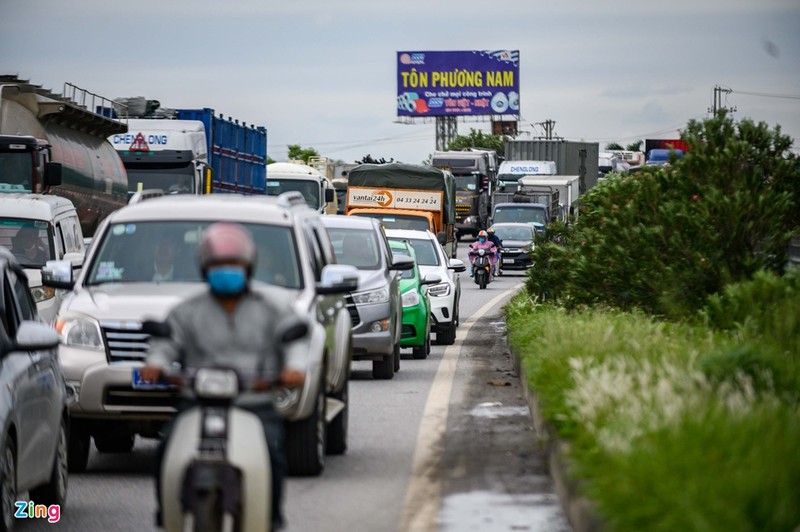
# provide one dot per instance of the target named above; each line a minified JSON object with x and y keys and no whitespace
{"x":481,"y":267}
{"x":215,"y":474}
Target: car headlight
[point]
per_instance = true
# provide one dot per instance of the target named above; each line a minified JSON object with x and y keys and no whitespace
{"x":373,"y":296}
{"x":76,"y":330}
{"x":42,"y":293}
{"x":439,"y":290}
{"x":527,"y":248}
{"x":410,"y":298}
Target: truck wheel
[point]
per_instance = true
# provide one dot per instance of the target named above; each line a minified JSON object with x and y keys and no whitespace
{"x":338,"y":428}
{"x":424,"y":350}
{"x":78,"y":448}
{"x":384,"y":368}
{"x":55,"y":491}
{"x":114,"y":443}
{"x":305,"y":439}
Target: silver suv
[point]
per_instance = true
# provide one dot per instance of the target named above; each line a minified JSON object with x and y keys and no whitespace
{"x":142,"y":262}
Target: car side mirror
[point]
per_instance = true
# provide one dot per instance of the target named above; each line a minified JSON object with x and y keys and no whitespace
{"x":58,"y":274}
{"x":402,"y":262}
{"x":34,"y":336}
{"x":337,"y":279}
{"x":457,"y":265}
{"x":431,"y":278}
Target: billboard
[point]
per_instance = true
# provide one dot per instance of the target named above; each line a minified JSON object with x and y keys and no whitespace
{"x":458,"y":83}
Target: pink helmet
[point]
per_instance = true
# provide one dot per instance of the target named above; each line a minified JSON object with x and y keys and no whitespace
{"x":226,"y":241}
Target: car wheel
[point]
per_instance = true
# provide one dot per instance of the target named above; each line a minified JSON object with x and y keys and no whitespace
{"x":447,"y":334}
{"x":338,"y":428}
{"x":55,"y":491}
{"x":384,"y":368}
{"x":424,"y":350}
{"x":78,"y":448}
{"x":396,"y":357}
{"x":8,"y":484}
{"x":114,"y":443}
{"x":305,"y":439}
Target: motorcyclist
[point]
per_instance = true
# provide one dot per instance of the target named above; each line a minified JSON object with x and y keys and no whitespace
{"x":482,"y":243}
{"x":498,"y":243}
{"x":234,"y":325}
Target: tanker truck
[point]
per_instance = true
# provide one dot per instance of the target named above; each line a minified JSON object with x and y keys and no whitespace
{"x":52,"y":144}
{"x":189,"y":151}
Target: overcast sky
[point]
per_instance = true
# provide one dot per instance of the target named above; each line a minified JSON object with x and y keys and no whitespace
{"x":322,"y":73}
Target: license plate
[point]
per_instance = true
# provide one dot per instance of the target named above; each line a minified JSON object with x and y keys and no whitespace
{"x":139,"y":384}
{"x":508,"y":261}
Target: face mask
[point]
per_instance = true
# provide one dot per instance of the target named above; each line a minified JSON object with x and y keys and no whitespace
{"x":481,"y":239}
{"x":227,"y":280}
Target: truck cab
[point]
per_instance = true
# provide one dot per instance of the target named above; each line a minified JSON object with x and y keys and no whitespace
{"x":475,"y":179}
{"x":317,"y":190}
{"x":510,"y":172}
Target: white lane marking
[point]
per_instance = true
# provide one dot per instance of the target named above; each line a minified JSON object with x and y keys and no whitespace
{"x":424,"y":492}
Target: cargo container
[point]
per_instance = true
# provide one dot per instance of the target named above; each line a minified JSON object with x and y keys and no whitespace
{"x":571,"y":158}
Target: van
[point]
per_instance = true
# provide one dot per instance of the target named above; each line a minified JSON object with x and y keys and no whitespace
{"x":38,"y":228}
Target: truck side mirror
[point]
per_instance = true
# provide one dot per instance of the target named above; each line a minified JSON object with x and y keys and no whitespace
{"x":52,"y":174}
{"x":441,"y":236}
{"x":329,"y":192}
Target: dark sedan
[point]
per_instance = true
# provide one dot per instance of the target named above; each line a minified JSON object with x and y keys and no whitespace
{"x":517,"y":244}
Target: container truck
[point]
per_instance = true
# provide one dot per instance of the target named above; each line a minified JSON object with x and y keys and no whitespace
{"x":192,"y":151}
{"x":52,"y":144}
{"x":405,"y":196}
{"x":475,"y":173}
{"x":571,"y":158}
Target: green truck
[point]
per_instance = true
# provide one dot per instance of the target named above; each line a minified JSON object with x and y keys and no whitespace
{"x":405,"y":196}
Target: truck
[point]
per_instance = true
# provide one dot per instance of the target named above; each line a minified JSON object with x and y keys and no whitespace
{"x":564,"y":189}
{"x":475,"y":172}
{"x":317,"y":190}
{"x":52,"y":144}
{"x":510,"y":172}
{"x":571,"y":157}
{"x":405,"y":196}
{"x":191,"y":151}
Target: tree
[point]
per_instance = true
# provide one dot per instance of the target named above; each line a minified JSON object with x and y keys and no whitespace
{"x":270,"y":160}
{"x":298,"y":152}
{"x":635,"y":146}
{"x":614,"y":146}
{"x":481,"y":140}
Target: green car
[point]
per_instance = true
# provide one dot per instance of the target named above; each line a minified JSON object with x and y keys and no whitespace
{"x":416,"y":331}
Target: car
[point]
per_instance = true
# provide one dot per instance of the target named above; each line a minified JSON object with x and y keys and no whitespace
{"x":376,"y":309}
{"x":416,"y":332}
{"x":34,"y":415}
{"x":446,"y":295}
{"x":517,"y":244}
{"x":51,"y":226}
{"x":100,"y":321}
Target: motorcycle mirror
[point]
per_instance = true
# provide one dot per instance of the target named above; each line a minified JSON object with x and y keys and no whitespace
{"x":159,"y":329}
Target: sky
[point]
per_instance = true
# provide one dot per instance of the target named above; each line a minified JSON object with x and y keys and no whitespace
{"x":323,"y":74}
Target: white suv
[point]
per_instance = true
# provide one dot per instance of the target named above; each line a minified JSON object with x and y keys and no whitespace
{"x":123,"y":283}
{"x":445,"y":296}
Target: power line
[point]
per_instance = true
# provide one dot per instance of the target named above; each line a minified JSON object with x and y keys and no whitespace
{"x":410,"y":136}
{"x":768,"y":95}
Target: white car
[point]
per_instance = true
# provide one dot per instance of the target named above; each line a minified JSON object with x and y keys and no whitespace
{"x":445,"y":296}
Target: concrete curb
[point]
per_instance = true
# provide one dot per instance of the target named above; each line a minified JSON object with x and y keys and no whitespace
{"x":578,"y":509}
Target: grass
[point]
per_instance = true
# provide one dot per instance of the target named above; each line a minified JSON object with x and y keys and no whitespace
{"x":672,"y":426}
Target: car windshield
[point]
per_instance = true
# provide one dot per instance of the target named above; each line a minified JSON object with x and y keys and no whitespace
{"x":515,"y":233}
{"x":356,"y":247}
{"x":165,"y":252}
{"x":399,"y":221}
{"x":31,"y":241}
{"x":519,"y":214}
{"x":424,"y":251}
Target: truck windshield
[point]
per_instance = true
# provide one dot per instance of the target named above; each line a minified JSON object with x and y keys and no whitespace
{"x":356,"y":247}
{"x":399,"y":221}
{"x":31,"y":241}
{"x":467,"y":182}
{"x":519,"y":214}
{"x":165,"y":252}
{"x":177,"y":180}
{"x":16,"y":171}
{"x":309,"y":189}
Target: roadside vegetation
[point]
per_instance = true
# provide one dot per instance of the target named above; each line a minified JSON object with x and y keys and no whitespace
{"x":661,"y":335}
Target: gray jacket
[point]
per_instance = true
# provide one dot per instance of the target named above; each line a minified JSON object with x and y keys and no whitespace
{"x":204,"y":334}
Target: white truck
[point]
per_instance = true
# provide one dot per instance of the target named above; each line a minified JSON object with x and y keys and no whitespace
{"x":510,"y":172}
{"x":566,"y":186}
{"x":317,"y":189}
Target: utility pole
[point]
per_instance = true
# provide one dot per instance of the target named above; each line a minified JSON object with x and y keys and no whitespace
{"x":548,"y":128}
{"x":717,"y":106}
